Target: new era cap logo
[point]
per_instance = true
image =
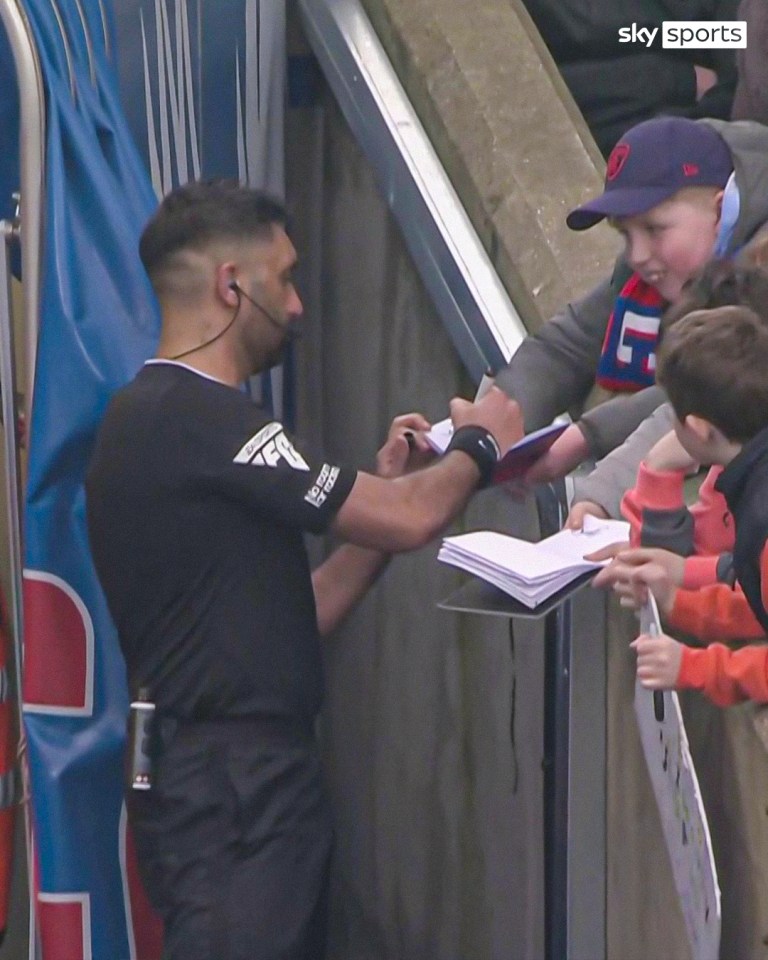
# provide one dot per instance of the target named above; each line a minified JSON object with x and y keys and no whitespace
{"x":690,"y":169}
{"x":616,"y":161}
{"x":268,"y":447}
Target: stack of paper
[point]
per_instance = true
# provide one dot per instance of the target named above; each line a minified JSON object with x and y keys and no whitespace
{"x":532,"y":572}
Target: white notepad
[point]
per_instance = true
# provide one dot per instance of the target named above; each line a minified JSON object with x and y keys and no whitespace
{"x":532,"y":572}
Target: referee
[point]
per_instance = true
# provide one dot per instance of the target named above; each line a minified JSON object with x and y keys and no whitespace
{"x":197,"y":506}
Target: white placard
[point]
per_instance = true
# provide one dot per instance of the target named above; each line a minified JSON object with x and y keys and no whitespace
{"x":683,"y":819}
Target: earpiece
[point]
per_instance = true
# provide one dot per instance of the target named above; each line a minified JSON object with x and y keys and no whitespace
{"x":286,"y":327}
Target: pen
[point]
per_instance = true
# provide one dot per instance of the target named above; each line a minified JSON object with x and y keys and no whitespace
{"x":658,"y":695}
{"x":485,"y":384}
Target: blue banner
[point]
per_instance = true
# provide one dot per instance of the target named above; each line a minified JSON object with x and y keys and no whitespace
{"x":203,"y":86}
{"x":204,"y":91}
{"x":98,"y":323}
{"x":9,"y":134}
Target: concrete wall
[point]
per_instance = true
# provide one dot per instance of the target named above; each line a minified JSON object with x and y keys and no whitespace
{"x":510,"y":137}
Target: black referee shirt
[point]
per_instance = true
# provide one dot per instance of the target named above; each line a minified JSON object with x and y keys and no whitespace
{"x":196,"y":508}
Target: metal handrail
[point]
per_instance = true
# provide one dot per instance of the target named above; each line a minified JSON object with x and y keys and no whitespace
{"x":29,"y":219}
{"x":474,"y":306}
{"x":32,"y":165}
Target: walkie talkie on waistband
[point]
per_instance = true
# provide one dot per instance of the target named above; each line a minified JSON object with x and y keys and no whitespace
{"x":140,"y":734}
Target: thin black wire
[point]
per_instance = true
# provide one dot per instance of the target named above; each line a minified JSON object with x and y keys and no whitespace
{"x":186,"y":353}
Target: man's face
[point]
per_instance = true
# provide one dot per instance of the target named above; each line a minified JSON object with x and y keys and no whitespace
{"x":269,"y":267}
{"x":668,"y":244}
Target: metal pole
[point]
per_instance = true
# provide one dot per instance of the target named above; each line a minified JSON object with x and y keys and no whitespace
{"x":30,"y":215}
{"x":557,"y":770}
{"x":13,"y":500}
{"x":557,"y":711}
{"x":574,"y":764}
{"x":9,"y":231}
{"x":32,"y":166}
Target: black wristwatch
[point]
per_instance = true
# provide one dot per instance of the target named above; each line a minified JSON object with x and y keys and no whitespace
{"x":480,"y":444}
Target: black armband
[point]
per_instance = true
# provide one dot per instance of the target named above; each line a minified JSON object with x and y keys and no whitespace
{"x":480,"y":444}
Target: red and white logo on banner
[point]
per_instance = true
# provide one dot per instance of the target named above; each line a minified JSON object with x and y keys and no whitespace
{"x":58,"y":647}
{"x":65,"y":925}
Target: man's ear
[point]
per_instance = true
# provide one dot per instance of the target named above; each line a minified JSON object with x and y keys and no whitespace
{"x":702,"y":429}
{"x":226,"y":283}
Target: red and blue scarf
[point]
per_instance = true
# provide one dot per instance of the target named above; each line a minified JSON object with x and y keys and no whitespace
{"x":628,"y":358}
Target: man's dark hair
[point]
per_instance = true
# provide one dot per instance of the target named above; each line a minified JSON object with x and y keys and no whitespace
{"x":714,"y":364}
{"x":194,"y":215}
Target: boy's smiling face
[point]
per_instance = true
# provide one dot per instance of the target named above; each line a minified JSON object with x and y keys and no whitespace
{"x":669,"y":243}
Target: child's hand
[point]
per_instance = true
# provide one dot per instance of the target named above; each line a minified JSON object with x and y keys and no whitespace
{"x":658,"y":661}
{"x":584,"y":508}
{"x":632,"y":573}
{"x":566,"y":452}
{"x":669,"y":454}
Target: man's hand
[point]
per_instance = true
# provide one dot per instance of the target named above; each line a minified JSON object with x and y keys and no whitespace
{"x":495,"y":412}
{"x":405,"y":448}
{"x":632,"y":573}
{"x":669,"y":454}
{"x":658,"y":661}
{"x":566,"y":452}
{"x":584,"y":508}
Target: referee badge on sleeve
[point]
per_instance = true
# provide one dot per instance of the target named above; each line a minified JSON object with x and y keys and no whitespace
{"x":268,"y":447}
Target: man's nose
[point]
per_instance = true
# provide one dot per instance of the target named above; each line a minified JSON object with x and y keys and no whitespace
{"x":295,"y":306}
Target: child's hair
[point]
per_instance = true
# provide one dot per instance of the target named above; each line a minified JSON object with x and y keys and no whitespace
{"x":721,"y":283}
{"x":714,"y":364}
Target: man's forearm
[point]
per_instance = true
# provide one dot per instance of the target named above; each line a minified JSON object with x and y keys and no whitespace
{"x":407,"y":512}
{"x":342,"y":580}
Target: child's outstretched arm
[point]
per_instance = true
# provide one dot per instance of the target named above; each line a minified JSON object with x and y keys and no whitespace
{"x":554,"y":368}
{"x":725,"y":676}
{"x":658,"y":515}
{"x":635,"y":572}
{"x":717,"y":612}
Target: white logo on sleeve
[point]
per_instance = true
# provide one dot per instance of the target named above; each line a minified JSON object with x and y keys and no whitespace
{"x":268,"y":447}
{"x":326,"y":480}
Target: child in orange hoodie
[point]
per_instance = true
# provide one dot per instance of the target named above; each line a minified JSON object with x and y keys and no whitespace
{"x":655,"y":506}
{"x":713,"y":367}
{"x":703,"y":533}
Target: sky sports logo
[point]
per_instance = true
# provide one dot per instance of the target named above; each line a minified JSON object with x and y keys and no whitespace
{"x":690,"y":34}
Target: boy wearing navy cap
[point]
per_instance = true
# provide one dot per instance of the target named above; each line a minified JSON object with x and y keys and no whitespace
{"x":679,"y":192}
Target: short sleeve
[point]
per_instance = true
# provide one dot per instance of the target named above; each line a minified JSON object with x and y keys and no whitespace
{"x":254,"y":461}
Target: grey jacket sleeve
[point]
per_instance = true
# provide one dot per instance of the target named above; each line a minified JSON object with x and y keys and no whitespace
{"x":616,"y":473}
{"x":553,"y":370}
{"x":668,"y":529}
{"x":610,"y":423}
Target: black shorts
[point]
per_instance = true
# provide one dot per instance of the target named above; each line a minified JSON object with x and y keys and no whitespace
{"x":234,"y":842}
